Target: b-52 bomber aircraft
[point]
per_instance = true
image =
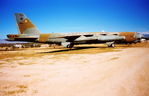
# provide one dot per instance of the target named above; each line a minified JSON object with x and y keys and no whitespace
{"x":29,"y":32}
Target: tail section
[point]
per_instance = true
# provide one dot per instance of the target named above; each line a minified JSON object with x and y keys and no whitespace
{"x":25,"y":26}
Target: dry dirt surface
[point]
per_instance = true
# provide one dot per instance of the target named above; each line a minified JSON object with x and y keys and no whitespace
{"x":82,"y":71}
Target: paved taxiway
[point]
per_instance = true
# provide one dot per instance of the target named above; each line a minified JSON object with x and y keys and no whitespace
{"x":83,"y":71}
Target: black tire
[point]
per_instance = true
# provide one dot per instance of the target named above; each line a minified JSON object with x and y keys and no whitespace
{"x":70,"y":45}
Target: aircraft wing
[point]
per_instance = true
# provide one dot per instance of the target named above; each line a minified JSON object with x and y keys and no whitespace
{"x":70,"y":38}
{"x":81,"y":38}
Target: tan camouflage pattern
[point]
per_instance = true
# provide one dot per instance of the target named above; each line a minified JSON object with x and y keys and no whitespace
{"x":129,"y":36}
{"x":43,"y":37}
{"x":25,"y":25}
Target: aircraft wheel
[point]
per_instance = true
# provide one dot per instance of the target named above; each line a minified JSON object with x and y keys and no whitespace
{"x":70,"y":45}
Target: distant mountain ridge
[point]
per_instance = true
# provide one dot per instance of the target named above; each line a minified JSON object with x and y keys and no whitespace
{"x":5,"y":41}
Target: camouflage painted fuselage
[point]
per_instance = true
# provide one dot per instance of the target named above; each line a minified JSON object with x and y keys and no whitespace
{"x":90,"y":37}
{"x":29,"y":32}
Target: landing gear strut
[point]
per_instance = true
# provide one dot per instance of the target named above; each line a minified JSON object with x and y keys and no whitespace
{"x":111,"y":44}
{"x":70,"y":45}
{"x":67,"y":44}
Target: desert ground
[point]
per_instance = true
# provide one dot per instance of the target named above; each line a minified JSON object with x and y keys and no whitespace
{"x":85,"y":70}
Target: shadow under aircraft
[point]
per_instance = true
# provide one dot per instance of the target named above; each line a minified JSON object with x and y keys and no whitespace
{"x":77,"y":49}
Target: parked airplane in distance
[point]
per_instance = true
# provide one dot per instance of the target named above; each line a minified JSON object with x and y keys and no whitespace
{"x":28,"y":32}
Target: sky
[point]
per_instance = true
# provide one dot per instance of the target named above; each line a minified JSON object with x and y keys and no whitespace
{"x":59,"y":16}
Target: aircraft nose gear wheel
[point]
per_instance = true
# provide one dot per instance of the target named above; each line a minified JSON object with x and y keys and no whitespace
{"x":111,"y":44}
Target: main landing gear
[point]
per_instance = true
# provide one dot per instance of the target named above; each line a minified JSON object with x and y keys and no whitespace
{"x":68,"y":44}
{"x":111,"y":44}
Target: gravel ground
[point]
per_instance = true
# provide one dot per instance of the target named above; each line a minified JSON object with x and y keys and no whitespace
{"x":109,"y":73}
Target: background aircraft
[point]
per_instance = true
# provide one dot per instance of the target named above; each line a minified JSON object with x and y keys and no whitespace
{"x":28,"y":32}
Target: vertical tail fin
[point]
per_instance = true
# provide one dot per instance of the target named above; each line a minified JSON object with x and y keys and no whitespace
{"x":25,"y":26}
